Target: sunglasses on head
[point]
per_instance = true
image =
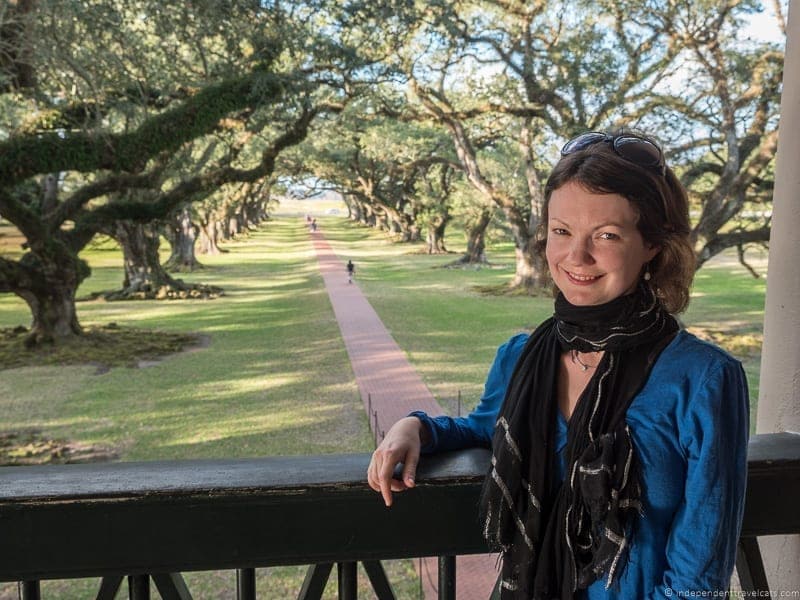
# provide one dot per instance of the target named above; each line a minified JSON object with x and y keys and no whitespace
{"x":638,"y":150}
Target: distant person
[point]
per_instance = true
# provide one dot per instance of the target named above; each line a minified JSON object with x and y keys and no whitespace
{"x":313,"y":224}
{"x":619,"y":440}
{"x":351,"y":271}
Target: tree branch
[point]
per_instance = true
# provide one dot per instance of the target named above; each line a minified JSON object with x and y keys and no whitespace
{"x":145,"y":211}
{"x":114,"y":183}
{"x":13,"y":275}
{"x":720,"y":242}
{"x":22,"y":157}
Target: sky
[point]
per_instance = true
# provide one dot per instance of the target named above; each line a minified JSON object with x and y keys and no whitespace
{"x":763,"y":26}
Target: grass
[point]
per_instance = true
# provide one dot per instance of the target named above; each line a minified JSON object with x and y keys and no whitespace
{"x":275,"y":378}
{"x":249,"y":393}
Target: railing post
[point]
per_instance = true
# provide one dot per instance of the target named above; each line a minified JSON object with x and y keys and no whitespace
{"x":171,"y":586}
{"x":31,"y":590}
{"x":750,"y":566}
{"x":447,"y":578}
{"x":315,"y":581}
{"x":348,"y":580}
{"x":245,"y":584}
{"x":109,"y":586}
{"x":377,"y":577}
{"x":139,"y":587}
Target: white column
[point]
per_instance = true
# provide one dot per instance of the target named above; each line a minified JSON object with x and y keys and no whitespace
{"x":779,"y":388}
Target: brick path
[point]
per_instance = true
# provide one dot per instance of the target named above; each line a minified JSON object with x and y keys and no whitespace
{"x":391,"y":388}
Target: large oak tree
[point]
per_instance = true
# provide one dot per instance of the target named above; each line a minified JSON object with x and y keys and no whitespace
{"x":120,"y":88}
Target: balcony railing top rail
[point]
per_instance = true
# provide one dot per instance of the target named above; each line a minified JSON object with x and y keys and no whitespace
{"x":163,"y":517}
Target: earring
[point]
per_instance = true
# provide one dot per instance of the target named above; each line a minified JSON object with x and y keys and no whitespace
{"x":647,"y":275}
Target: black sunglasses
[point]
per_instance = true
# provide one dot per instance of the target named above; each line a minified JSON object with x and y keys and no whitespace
{"x":638,"y":150}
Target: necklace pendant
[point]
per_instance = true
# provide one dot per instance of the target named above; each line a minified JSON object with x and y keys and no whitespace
{"x":576,"y":360}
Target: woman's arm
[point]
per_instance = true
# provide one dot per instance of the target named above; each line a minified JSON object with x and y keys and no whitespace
{"x":701,"y":548}
{"x":455,"y":433}
{"x":420,"y":433}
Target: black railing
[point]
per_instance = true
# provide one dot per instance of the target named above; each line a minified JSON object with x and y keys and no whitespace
{"x":151,"y":521}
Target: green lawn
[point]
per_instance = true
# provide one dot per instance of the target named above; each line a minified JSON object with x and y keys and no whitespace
{"x":275,"y":367}
{"x":275,"y":378}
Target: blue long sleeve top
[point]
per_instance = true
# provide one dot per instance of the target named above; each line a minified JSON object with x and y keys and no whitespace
{"x":690,"y":427}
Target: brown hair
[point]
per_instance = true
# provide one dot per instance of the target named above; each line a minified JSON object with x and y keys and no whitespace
{"x":661,"y":203}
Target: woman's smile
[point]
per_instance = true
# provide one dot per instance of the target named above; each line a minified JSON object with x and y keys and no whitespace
{"x":582,"y":279}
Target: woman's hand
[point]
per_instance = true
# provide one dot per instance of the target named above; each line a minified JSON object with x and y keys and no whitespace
{"x":401,"y":445}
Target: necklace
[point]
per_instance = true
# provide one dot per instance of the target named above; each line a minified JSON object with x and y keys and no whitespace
{"x":576,"y":359}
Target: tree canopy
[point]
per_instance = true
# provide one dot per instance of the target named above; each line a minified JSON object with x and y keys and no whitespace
{"x":115,"y":112}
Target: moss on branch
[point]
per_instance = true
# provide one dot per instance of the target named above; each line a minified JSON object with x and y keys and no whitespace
{"x":24,"y":156}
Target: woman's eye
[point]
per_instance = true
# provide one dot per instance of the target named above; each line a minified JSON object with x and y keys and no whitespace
{"x":607,"y":235}
{"x":559,"y":231}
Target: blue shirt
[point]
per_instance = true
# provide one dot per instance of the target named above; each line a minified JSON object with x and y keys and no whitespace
{"x":690,"y":427}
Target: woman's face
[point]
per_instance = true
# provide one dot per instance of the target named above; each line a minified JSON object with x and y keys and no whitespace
{"x":594,"y":250}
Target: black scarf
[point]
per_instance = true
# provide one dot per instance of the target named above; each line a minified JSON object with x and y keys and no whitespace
{"x":557,"y":538}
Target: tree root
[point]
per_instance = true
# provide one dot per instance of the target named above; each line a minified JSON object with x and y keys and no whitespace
{"x":101,"y":347}
{"x":164,"y":292}
{"x":504,"y":289}
{"x":465,"y":263}
{"x":177,"y":266}
{"x":31,"y":447}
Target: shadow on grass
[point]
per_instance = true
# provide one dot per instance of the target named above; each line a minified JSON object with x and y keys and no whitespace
{"x":103,"y":347}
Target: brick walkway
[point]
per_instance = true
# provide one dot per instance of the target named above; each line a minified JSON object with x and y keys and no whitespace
{"x":391,"y":388}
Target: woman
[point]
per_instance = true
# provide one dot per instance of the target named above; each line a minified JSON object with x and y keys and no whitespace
{"x":618,"y":440}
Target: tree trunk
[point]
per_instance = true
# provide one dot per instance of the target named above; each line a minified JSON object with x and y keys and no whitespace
{"x":210,"y":229}
{"x":435,"y":237}
{"x":252,"y":212}
{"x":183,"y":234}
{"x":242,"y":218}
{"x":381,"y":220}
{"x":397,"y":222}
{"x":476,"y":241}
{"x":476,"y":247}
{"x":145,"y":277}
{"x":53,"y":311}
{"x":530,"y":269}
{"x":47,"y":279}
{"x":354,"y":211}
{"x":369,"y":218}
{"x":144,"y":274}
{"x":365,"y":216}
{"x":234,"y":227}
